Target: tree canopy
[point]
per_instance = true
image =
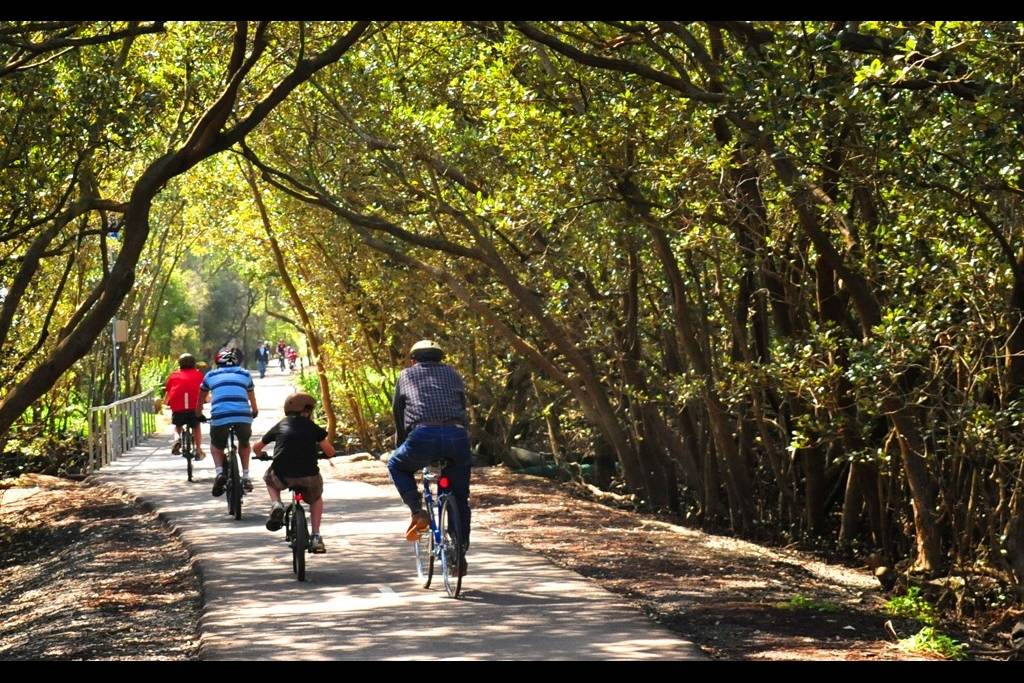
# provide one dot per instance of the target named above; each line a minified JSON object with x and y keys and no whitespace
{"x":761,"y":276}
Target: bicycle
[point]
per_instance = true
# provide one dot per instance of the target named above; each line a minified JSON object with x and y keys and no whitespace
{"x":233,"y":489}
{"x":296,"y":528}
{"x":442,"y":541}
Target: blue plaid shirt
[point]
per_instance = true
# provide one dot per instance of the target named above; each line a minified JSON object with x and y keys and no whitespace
{"x":428,"y":393}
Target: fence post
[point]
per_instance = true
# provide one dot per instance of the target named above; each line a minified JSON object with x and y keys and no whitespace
{"x":88,"y":460}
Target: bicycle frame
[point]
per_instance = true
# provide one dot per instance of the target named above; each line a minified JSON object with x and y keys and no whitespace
{"x":431,"y":475}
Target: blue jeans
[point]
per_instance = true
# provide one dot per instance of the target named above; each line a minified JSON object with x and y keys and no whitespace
{"x":262,"y":365}
{"x":421,"y":447}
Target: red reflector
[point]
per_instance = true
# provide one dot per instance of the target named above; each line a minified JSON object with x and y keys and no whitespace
{"x":298,"y":497}
{"x":443,"y":482}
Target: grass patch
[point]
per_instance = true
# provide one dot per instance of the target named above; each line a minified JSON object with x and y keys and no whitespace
{"x":805,"y":603}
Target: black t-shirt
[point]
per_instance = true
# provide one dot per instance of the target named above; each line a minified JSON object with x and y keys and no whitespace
{"x":295,"y":438}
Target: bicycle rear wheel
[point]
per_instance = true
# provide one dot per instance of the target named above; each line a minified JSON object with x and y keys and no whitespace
{"x":236,"y":488}
{"x":186,"y":450}
{"x":451,"y":547}
{"x":299,"y":543}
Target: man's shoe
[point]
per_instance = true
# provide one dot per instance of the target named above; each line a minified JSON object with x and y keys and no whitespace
{"x":276,"y":520}
{"x":316,"y":545}
{"x":218,"y":484}
{"x":462,"y":566}
{"x":199,"y":455}
{"x":176,"y":448}
{"x":420,"y":522}
{"x":247,"y":484}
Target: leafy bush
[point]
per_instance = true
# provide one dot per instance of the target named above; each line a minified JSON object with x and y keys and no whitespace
{"x":912,"y":606}
{"x":154,"y":373}
{"x":930,"y":641}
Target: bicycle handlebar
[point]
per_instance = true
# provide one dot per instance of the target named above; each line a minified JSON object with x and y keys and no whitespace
{"x":265,"y":456}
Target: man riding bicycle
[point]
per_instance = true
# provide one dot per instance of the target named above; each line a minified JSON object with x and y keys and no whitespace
{"x":182,"y":394}
{"x":233,"y":404}
{"x":429,"y":408}
{"x":296,"y":438}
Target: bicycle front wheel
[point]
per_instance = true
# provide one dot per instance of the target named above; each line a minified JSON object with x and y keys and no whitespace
{"x":424,"y":560}
{"x":299,"y":543}
{"x":451,"y":547}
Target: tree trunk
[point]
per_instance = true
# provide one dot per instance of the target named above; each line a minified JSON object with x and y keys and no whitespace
{"x":312,"y":335}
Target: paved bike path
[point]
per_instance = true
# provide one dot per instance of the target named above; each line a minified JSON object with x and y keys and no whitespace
{"x":361,"y":600}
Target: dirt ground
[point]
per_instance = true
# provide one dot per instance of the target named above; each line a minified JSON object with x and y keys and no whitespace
{"x":85,"y":573}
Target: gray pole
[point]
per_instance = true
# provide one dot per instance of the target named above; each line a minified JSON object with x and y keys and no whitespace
{"x":113,"y":342}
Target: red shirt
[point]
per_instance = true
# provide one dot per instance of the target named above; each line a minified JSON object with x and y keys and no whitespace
{"x":182,"y":389}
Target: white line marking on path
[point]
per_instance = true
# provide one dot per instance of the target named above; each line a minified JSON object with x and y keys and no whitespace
{"x":386,"y":590}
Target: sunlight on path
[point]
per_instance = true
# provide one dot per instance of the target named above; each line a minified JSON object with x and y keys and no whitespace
{"x":362,"y":599}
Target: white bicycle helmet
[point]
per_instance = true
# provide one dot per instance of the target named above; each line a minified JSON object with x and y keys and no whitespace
{"x":426,"y":349}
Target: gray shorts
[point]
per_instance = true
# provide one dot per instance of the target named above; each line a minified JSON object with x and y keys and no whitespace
{"x":219,"y":435}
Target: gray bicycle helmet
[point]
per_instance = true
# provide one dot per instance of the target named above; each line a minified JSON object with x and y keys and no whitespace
{"x":227,"y":357}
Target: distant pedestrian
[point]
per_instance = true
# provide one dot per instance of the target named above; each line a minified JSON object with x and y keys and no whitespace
{"x":262,"y":358}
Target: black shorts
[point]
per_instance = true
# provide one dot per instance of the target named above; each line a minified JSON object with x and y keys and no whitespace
{"x":219,"y":435}
{"x":184,"y":417}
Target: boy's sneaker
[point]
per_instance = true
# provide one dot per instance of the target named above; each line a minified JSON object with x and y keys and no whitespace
{"x":176,"y":448}
{"x":247,"y":484}
{"x":219,"y":483}
{"x":276,"y":520}
{"x":317,"y":545}
{"x":419,"y":523}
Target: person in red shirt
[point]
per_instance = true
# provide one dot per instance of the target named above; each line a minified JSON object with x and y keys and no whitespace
{"x":182,"y":394}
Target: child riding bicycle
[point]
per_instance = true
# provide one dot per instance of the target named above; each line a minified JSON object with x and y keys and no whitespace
{"x":182,"y":392}
{"x":296,"y":439}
